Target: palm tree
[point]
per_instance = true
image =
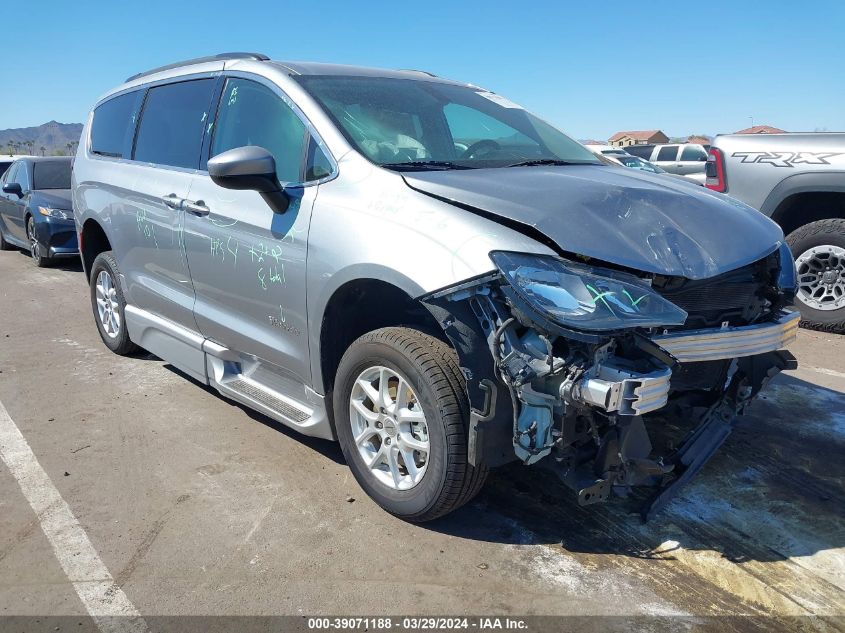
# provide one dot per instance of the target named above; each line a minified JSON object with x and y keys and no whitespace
{"x":43,"y":150}
{"x":29,"y":145}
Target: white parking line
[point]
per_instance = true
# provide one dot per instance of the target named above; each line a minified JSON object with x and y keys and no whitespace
{"x":825,"y":371}
{"x":94,"y":585}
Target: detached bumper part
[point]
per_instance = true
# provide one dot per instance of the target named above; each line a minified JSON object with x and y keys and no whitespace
{"x":731,"y":342}
{"x":616,"y":389}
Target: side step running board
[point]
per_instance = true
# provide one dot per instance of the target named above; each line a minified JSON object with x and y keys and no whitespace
{"x":261,"y":387}
{"x":260,"y":394}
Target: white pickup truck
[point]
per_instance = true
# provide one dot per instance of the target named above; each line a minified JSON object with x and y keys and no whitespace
{"x":798,"y":180}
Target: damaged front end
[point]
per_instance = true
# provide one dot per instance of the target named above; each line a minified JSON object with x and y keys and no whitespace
{"x":590,"y":366}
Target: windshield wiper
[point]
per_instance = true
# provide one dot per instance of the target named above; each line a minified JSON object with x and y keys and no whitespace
{"x":545,"y":161}
{"x":426,"y":164}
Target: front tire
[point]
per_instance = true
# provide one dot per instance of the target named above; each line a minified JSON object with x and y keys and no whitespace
{"x":819,"y":251}
{"x":401,"y":414}
{"x":35,"y":249}
{"x":4,"y":245}
{"x":109,"y":305}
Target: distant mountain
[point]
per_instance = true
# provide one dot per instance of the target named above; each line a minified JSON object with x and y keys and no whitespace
{"x":52,"y":136}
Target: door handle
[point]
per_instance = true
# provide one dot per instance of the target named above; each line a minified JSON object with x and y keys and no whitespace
{"x":172,"y":201}
{"x":197,"y":208}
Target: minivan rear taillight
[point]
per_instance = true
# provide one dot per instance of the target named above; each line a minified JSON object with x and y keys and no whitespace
{"x":715,"y":171}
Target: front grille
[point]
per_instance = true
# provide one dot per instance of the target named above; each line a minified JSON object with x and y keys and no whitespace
{"x":738,"y":297}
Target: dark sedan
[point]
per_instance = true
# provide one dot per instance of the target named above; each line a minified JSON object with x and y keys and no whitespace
{"x":35,"y":209}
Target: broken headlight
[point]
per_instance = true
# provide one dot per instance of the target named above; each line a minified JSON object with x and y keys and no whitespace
{"x":584,"y":297}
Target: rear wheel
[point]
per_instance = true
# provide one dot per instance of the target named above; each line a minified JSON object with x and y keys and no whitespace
{"x":41,"y":259}
{"x":819,"y":251}
{"x":109,"y":305}
{"x":401,"y":414}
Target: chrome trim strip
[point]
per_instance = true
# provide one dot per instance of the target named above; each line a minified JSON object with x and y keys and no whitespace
{"x":731,"y":342}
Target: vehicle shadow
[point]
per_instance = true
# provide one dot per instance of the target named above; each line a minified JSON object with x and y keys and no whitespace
{"x":70,"y":264}
{"x":773,"y":491}
{"x":73,"y":264}
{"x":327,"y":448}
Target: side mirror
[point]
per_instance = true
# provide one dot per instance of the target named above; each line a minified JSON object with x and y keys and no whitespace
{"x":13,"y":187}
{"x":250,"y":168}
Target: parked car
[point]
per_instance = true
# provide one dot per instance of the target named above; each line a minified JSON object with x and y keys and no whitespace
{"x":686,"y":159}
{"x":35,"y":209}
{"x":5,"y":163}
{"x":426,"y":272}
{"x":635,"y":162}
{"x":607,"y":150}
{"x":799,"y":181}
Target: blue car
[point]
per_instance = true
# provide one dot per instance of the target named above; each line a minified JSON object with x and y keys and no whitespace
{"x":35,"y":209}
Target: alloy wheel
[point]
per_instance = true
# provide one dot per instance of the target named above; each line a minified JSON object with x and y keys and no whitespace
{"x":34,"y":246}
{"x":108,"y":309}
{"x":389,"y":427}
{"x":821,"y":277}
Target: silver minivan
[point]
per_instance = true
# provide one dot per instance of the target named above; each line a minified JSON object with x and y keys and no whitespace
{"x":428,"y":273}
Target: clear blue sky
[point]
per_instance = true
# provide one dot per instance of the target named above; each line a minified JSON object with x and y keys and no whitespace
{"x":592,"y":67}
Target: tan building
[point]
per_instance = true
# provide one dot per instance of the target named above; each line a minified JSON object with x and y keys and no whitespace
{"x":761,"y":129}
{"x":698,"y":140}
{"x":637,"y":137}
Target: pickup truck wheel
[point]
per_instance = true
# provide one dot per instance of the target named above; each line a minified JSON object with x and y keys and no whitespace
{"x":401,"y":415}
{"x":819,"y":251}
{"x":109,"y":305}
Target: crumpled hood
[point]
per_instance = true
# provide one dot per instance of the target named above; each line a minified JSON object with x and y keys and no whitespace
{"x":629,"y":218}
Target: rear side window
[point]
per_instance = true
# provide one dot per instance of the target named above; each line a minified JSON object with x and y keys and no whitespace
{"x":694,"y":153}
{"x":172,"y":123}
{"x":667,"y":153}
{"x":51,"y":174}
{"x":114,"y":125}
{"x":252,"y":114}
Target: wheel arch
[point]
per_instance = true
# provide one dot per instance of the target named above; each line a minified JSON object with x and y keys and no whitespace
{"x":92,"y":241}
{"x":359,"y":305}
{"x":804,"y":198}
{"x":453,"y":323}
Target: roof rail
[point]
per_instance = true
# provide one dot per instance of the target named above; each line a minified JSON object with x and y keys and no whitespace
{"x":199,"y":60}
{"x":414,"y":70}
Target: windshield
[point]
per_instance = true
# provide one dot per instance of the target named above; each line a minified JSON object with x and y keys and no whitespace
{"x":415,"y":124}
{"x":51,"y":174}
